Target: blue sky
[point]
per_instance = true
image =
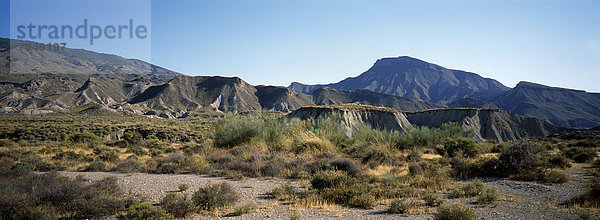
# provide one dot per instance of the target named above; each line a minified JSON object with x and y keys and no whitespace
{"x":276,"y":42}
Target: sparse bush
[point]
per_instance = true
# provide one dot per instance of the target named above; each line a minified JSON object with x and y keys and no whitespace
{"x":132,"y":137}
{"x":137,"y":150}
{"x":581,"y":154}
{"x":488,"y":196}
{"x":24,"y":192}
{"x":86,"y":138}
{"x":431,"y":199}
{"x":461,"y":146}
{"x":520,"y":157}
{"x":401,"y":206}
{"x":284,"y":192}
{"x":215,"y":196}
{"x":558,"y":161}
{"x":338,"y":187}
{"x":177,"y":205}
{"x":96,"y":166}
{"x":430,"y":137}
{"x":245,"y":209}
{"x":543,"y":175}
{"x":145,"y":211}
{"x":347,"y":165}
{"x":454,"y":212}
{"x":472,"y":189}
{"x":331,"y":127}
{"x":183,"y":187}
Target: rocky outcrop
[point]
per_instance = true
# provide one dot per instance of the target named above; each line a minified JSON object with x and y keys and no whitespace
{"x":486,"y":124}
{"x":353,"y":114}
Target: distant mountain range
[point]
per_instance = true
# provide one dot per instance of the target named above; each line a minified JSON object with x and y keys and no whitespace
{"x":35,"y":82}
{"x":415,"y":79}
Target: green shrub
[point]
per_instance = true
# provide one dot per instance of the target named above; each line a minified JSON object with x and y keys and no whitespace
{"x":37,"y":213}
{"x":86,"y":138}
{"x":543,"y":175}
{"x":284,"y":192}
{"x":472,"y":189}
{"x":177,"y":205}
{"x":145,"y":211}
{"x":454,"y":212}
{"x":431,"y":199}
{"x":522,"y":156}
{"x":580,"y":154}
{"x":461,"y":146}
{"x":96,"y":166}
{"x":132,"y":137}
{"x":338,"y":187}
{"x":183,"y":187}
{"x":401,"y":206}
{"x":331,"y":127}
{"x":558,"y":161}
{"x":25,"y":192}
{"x":215,"y":196}
{"x":488,"y":196}
{"x":430,"y":137}
{"x":245,"y":209}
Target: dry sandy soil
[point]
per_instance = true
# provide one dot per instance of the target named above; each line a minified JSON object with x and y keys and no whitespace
{"x":519,"y":200}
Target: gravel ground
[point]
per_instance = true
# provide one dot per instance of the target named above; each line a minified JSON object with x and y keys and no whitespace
{"x":519,"y":200}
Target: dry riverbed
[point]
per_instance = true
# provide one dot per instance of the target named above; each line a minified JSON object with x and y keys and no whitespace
{"x":519,"y":200}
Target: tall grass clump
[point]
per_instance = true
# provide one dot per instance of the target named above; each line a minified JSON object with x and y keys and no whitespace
{"x":330,"y":127}
{"x":429,"y":137}
{"x":237,"y":129}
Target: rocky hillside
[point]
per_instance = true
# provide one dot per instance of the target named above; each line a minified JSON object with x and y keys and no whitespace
{"x":416,"y":79}
{"x":563,"y":107}
{"x":329,"y":96}
{"x":74,"y":61}
{"x":191,"y":93}
{"x":353,"y":114}
{"x":279,"y":98}
{"x":487,"y":124}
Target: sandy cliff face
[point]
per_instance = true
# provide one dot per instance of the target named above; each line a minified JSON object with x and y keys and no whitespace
{"x":486,"y":124}
{"x":354,"y":114}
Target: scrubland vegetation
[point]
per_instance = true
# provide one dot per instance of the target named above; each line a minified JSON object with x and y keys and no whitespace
{"x":411,"y":172}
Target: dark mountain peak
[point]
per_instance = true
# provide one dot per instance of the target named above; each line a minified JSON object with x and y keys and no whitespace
{"x":537,"y":86}
{"x":400,"y":63}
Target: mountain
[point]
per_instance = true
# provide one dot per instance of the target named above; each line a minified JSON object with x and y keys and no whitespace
{"x":470,"y":103}
{"x":61,"y":79}
{"x":195,"y":92}
{"x":74,"y":61}
{"x":279,"y":98}
{"x":416,"y":79}
{"x":189,"y":93}
{"x":330,"y":96}
{"x":563,"y":107}
{"x":486,"y":124}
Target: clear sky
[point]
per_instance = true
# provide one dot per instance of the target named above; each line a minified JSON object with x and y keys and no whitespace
{"x":276,"y":42}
